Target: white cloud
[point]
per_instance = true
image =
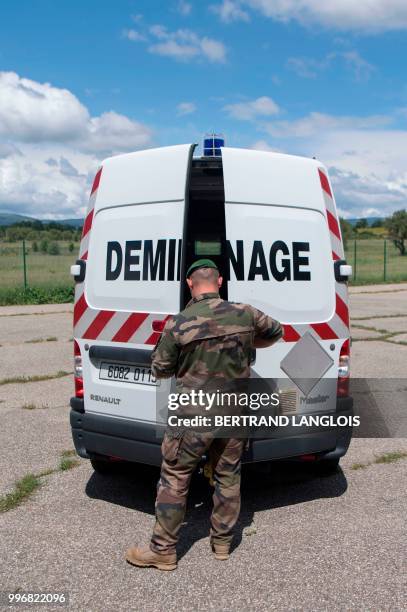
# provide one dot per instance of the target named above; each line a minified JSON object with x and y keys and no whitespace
{"x":185,"y":108}
{"x":363,"y":194}
{"x":113,"y":132}
{"x":248,"y":111}
{"x":32,"y":111}
{"x":133,"y":35}
{"x":7,"y":149}
{"x":30,"y":184}
{"x":229,"y":11}
{"x":360,"y":67}
{"x":363,"y":15}
{"x":38,"y":112}
{"x":263,"y":145}
{"x":365,"y":157}
{"x":185,"y":45}
{"x":308,"y":68}
{"x":50,"y":146}
{"x":315,"y":123}
{"x":214,"y":50}
{"x":184,"y":8}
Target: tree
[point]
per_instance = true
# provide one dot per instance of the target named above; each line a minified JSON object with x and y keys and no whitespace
{"x":44,"y":245}
{"x":378,"y":223}
{"x":71,"y":247}
{"x":361,"y":224}
{"x":35,"y":247}
{"x":346,"y":230}
{"x":397,"y":227}
{"x":53,"y":248}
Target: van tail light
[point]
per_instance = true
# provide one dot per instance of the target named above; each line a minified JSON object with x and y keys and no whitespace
{"x":344,"y":370}
{"x":77,"y":370}
{"x":158,"y":326}
{"x":308,"y":457}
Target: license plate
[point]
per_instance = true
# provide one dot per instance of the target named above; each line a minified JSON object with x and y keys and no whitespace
{"x":121,"y":372}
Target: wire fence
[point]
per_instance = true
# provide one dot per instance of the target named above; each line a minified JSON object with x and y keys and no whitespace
{"x":375,"y":260}
{"x":26,"y":264}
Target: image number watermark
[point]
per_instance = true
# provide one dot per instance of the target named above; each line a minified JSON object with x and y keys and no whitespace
{"x":33,"y":598}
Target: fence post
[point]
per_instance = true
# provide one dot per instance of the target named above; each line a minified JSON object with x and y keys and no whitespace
{"x":354,"y":260}
{"x":384,"y":259}
{"x":25,"y":266}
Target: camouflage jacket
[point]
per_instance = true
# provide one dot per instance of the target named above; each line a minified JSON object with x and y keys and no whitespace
{"x":210,"y":341}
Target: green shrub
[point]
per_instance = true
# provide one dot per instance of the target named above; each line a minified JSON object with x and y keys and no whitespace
{"x":53,"y":249}
{"x":37,"y":295}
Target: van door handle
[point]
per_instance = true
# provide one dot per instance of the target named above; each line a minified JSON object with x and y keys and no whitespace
{"x":121,"y":354}
{"x":78,"y":270}
{"x":343,"y":271}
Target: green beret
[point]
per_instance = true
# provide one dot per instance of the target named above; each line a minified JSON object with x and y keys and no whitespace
{"x":201,"y":263}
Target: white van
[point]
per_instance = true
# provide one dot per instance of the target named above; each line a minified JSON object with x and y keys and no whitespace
{"x":269,"y":221}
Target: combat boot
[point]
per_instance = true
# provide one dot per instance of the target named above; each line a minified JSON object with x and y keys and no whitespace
{"x":221,"y":551}
{"x":145,"y":557}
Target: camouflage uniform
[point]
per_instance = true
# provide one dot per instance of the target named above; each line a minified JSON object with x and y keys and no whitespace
{"x":210,"y":340}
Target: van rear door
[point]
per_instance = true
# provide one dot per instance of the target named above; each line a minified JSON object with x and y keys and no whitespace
{"x":280,"y":252}
{"x":132,"y":277}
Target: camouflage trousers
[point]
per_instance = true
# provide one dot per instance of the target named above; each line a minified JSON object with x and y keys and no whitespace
{"x":180,"y":458}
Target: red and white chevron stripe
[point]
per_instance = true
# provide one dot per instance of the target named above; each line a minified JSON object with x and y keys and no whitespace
{"x":338,"y":326}
{"x":113,"y":326}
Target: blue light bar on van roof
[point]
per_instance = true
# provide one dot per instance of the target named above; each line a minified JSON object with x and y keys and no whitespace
{"x":212,"y":145}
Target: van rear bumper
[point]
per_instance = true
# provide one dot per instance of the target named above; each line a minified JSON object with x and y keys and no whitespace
{"x":136,"y":441}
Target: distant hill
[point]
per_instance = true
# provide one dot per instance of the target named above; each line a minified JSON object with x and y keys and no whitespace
{"x":10,"y":218}
{"x":370,"y":220}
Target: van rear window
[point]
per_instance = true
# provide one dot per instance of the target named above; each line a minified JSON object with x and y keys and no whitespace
{"x":208,"y":247}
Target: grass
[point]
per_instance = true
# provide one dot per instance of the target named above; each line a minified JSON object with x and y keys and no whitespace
{"x":26,"y":486}
{"x":378,"y":316}
{"x":36,"y":378}
{"x":68,"y":460}
{"x":37,"y":340}
{"x":32,"y":406}
{"x":68,"y":453}
{"x":370,"y":261}
{"x":50,"y":294}
{"x":23,"y":489}
{"x":67,"y":463}
{"x":37,"y":314}
{"x":41,"y":267}
{"x":390,"y":457}
{"x":358,"y":466}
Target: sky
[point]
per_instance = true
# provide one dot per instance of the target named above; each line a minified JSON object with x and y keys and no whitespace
{"x":83,"y":80}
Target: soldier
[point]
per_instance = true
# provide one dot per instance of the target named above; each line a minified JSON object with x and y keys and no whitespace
{"x":210,"y":340}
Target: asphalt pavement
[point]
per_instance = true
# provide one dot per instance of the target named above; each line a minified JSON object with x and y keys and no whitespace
{"x":304,"y":542}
